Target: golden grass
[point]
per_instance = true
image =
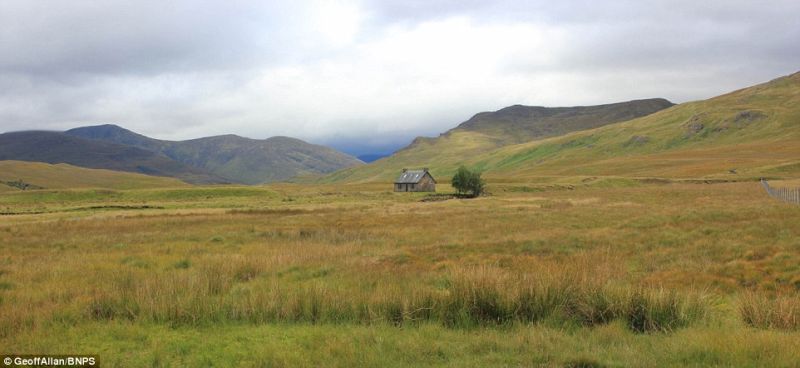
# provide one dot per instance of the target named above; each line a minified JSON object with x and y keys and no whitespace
{"x":654,"y":258}
{"x":61,"y":176}
{"x":762,"y":311}
{"x":794,"y":184}
{"x":6,"y":188}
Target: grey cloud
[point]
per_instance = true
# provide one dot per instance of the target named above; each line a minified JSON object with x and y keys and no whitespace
{"x":183,"y":69}
{"x":137,"y":37}
{"x":678,"y":12}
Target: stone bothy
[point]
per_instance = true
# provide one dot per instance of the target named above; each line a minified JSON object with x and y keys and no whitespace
{"x":415,"y":181}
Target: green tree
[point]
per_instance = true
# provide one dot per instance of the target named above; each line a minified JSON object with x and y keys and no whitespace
{"x":467,"y":182}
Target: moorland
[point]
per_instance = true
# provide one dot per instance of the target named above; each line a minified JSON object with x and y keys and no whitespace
{"x":603,"y":271}
{"x":646,"y":242}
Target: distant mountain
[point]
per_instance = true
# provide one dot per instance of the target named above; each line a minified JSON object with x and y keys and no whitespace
{"x":488,"y":131}
{"x":746,"y":134}
{"x":116,"y":134}
{"x":235,"y":158}
{"x":56,"y":147}
{"x":518,"y":124}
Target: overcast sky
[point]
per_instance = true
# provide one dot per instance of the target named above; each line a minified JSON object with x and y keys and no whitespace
{"x":368,"y":76}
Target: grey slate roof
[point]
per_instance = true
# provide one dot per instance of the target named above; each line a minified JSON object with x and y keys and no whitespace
{"x":410,"y":177}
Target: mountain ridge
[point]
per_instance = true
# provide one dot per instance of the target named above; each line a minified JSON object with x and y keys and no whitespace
{"x":57,"y":147}
{"x":235,"y":158}
{"x":525,"y":123}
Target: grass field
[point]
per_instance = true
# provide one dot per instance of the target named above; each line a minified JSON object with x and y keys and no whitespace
{"x":63,"y":176}
{"x":785,"y":183}
{"x":557,"y":271}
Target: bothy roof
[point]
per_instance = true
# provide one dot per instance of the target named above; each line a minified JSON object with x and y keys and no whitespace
{"x":411,"y":176}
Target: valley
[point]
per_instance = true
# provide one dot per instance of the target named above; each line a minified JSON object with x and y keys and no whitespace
{"x":646,"y":242}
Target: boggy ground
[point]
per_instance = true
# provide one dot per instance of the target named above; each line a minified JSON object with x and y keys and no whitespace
{"x":556,"y":272}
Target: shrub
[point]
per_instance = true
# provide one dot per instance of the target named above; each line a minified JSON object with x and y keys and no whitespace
{"x":468,"y":183}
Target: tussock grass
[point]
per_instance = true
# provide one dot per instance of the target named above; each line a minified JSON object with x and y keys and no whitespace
{"x":473,"y":297}
{"x":761,"y":311}
{"x":488,"y":298}
{"x":661,"y":310}
{"x":619,"y":264}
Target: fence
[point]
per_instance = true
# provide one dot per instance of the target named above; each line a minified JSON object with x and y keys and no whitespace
{"x":788,"y":195}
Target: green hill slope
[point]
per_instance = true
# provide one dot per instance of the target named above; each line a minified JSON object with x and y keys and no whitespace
{"x":750,"y":132}
{"x":16,"y":174}
{"x":55,"y":147}
{"x":488,"y":131}
{"x":237,"y":159}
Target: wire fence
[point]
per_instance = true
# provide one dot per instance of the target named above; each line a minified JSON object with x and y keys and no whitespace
{"x":788,"y":195}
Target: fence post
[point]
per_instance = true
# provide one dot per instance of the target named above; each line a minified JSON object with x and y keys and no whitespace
{"x":788,"y":195}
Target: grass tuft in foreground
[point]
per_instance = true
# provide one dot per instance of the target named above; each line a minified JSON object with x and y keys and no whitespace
{"x":760,"y":311}
{"x":474,"y":297}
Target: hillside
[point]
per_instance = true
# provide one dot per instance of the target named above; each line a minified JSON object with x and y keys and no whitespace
{"x":743,"y":134}
{"x":748,"y":133}
{"x":519,"y":124}
{"x":237,"y":159}
{"x":488,"y":131}
{"x":61,"y":176}
{"x":55,"y":147}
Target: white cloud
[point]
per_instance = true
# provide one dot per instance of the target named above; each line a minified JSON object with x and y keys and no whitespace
{"x":337,"y":22}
